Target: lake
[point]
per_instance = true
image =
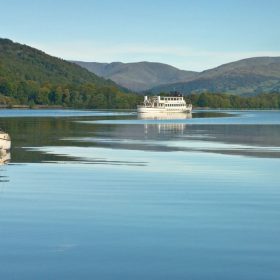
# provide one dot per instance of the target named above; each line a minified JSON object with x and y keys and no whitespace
{"x":111,"y":195}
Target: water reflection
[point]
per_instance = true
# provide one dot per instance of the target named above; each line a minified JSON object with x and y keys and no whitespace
{"x":137,"y":204}
{"x":164,"y":132}
{"x":5,"y":157}
{"x":164,"y":127}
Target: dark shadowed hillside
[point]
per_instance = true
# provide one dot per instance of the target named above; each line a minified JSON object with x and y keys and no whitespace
{"x":30,"y":76}
{"x":22,"y":62}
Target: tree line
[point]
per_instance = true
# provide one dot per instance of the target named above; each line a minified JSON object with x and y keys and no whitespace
{"x":92,"y":96}
{"x":88,"y":95}
{"x":215,"y":100}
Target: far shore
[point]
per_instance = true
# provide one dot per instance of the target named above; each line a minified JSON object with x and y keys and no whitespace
{"x":32,"y":107}
{"x":38,"y":107}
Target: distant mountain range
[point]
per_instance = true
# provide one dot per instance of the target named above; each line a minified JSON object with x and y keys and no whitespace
{"x":250,"y":76}
{"x":139,"y":76}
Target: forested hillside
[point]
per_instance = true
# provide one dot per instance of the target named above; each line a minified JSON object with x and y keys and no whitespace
{"x":29,"y":76}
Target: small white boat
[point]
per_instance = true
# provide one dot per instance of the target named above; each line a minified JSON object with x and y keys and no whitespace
{"x":157,"y":104}
{"x":5,"y":141}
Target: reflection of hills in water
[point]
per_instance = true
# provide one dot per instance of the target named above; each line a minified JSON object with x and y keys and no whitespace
{"x":166,"y":133}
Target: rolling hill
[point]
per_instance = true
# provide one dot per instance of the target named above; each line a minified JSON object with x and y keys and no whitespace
{"x":22,"y":62}
{"x":139,"y":76}
{"x":250,"y":76}
{"x":30,"y":76}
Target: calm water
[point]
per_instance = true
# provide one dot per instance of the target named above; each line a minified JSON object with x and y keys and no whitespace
{"x":109,"y":195}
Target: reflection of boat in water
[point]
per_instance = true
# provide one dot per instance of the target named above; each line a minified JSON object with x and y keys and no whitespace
{"x":5,"y":146}
{"x":170,"y":126}
{"x":164,"y":116}
{"x":161,"y":104}
{"x":5,"y":156}
{"x":164,"y":128}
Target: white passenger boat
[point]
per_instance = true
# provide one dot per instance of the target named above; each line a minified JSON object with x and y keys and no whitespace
{"x":172,"y":103}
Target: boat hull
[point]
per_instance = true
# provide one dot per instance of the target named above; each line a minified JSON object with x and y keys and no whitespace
{"x":149,"y":110}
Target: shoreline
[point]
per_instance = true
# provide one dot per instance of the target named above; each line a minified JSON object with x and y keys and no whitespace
{"x":55,"y":107}
{"x":35,"y":107}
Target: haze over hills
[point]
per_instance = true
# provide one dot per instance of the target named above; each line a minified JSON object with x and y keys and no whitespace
{"x":139,"y":76}
{"x":248,"y":76}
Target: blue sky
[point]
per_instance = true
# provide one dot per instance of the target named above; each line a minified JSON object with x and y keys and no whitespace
{"x":189,"y":34}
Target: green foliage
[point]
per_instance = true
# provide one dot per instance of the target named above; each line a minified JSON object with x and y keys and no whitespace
{"x":211,"y":100}
{"x":31,"y":77}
